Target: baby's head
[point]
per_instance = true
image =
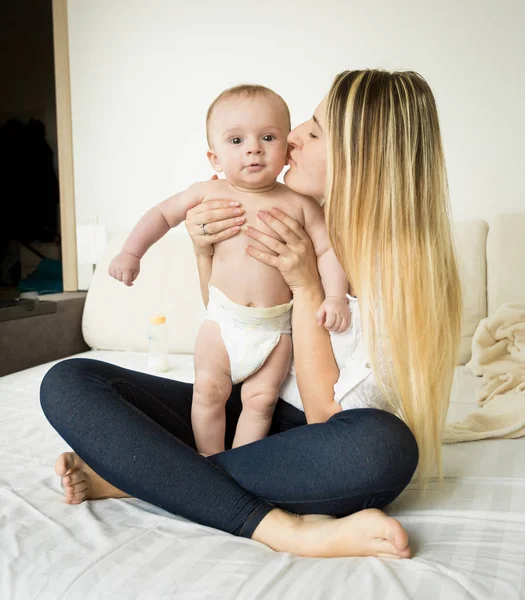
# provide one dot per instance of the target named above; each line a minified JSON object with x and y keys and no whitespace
{"x":247,"y":128}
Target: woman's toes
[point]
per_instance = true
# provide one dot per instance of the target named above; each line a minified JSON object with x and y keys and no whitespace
{"x":74,"y":477}
{"x":75,"y":486}
{"x":64,"y":462}
{"x":385,"y":548}
{"x":79,"y":487}
{"x":76,"y":498}
{"x":82,"y":483}
{"x":75,"y":494}
{"x":396,"y":535}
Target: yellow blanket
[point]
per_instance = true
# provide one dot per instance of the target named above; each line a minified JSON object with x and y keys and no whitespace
{"x":498,"y":356}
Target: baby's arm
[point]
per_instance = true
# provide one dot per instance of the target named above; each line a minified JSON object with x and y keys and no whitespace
{"x":152,"y":226}
{"x":334,"y":313}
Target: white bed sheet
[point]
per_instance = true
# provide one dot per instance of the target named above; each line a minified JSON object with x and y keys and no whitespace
{"x":468,"y":538}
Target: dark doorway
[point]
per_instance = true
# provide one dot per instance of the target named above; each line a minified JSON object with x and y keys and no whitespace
{"x":29,"y":194}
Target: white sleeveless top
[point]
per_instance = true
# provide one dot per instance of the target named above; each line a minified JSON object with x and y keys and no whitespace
{"x":356,"y":386}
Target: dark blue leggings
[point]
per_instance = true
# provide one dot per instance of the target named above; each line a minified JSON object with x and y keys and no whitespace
{"x":134,"y":430}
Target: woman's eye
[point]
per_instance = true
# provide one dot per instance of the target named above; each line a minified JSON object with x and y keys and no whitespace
{"x":236,"y":140}
{"x":312,"y":135}
{"x":268,"y":138}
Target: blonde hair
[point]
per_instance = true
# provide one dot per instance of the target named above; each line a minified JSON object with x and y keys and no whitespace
{"x":389,"y":222}
{"x":246,"y":90}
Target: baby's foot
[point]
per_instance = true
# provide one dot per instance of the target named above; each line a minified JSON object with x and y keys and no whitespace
{"x":81,"y":482}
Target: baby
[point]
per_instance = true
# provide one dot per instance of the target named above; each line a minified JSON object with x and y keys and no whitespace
{"x":246,"y":334}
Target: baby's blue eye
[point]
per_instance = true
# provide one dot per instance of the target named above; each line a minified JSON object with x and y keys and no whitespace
{"x":236,"y":140}
{"x":268,"y":138}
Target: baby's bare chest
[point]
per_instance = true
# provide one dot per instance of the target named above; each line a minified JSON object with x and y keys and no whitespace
{"x":253,"y":207}
{"x":252,"y":204}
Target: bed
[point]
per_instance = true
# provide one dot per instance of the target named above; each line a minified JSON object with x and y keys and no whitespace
{"x":468,"y":537}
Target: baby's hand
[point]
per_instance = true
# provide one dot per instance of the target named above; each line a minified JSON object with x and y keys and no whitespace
{"x":125,"y":267}
{"x":334,"y":314}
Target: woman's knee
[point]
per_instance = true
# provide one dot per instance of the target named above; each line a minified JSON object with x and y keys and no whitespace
{"x":57,"y":390}
{"x":399,"y":444}
{"x":389,"y":443}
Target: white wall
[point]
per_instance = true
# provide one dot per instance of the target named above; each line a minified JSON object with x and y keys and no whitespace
{"x":144,"y":71}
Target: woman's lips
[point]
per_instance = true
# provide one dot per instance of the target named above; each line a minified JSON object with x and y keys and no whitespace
{"x":291,"y":161}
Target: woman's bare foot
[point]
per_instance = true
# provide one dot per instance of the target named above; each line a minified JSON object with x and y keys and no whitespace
{"x":366,"y":533}
{"x":81,"y":482}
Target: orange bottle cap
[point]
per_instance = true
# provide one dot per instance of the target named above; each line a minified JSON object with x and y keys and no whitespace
{"x":157,"y":320}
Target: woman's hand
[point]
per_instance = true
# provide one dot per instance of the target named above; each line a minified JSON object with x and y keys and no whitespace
{"x":294,"y":253}
{"x":222,"y":219}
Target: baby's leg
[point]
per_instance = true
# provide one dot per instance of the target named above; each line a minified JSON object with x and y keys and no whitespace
{"x":212,"y":389}
{"x":260,"y":392}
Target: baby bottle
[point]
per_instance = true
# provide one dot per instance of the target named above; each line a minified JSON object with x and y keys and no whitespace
{"x":158,"y":343}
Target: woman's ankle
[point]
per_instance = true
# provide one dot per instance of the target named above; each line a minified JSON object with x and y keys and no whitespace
{"x":279,"y":530}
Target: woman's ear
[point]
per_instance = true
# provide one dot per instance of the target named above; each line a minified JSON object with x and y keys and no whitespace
{"x":214,"y":161}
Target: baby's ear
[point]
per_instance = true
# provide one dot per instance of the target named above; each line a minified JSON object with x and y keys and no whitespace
{"x":214,"y":161}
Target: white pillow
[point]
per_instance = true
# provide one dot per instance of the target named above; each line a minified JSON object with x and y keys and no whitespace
{"x":506,"y":260}
{"x":470,"y":238}
{"x":116,"y":317}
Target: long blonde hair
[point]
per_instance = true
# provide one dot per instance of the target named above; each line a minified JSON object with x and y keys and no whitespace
{"x":388,"y":216}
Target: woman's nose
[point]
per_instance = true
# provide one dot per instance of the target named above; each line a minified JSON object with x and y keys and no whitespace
{"x":294,"y":137}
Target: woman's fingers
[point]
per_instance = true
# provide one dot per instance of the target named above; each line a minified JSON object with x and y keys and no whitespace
{"x":214,"y":227}
{"x":222,"y":219}
{"x":268,"y":241}
{"x":222,"y":235}
{"x":284,"y":232}
{"x":216,"y":205}
{"x":213,"y":216}
{"x":264,"y":257}
{"x":287,"y":227}
{"x":295,"y":258}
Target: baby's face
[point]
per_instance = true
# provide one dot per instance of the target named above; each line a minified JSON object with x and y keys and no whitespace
{"x":248,"y":138}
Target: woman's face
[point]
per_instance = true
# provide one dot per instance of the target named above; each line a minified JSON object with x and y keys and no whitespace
{"x":307,"y":156}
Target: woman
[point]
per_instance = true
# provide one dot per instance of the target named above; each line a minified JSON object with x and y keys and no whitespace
{"x":373,"y":152}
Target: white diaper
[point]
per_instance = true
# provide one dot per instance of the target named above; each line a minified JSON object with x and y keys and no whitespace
{"x":249,"y":334}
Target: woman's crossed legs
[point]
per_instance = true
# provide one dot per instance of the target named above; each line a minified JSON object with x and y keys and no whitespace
{"x":134,"y":432}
